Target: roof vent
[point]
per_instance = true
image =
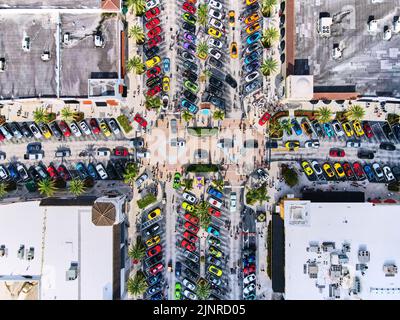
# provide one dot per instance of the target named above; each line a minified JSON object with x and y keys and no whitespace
{"x":72,"y":272}
{"x":390,"y":270}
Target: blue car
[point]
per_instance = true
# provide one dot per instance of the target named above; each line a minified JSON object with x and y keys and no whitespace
{"x":92,"y":171}
{"x":249,"y":68}
{"x":166,"y":65}
{"x":253,"y":38}
{"x":328,"y":130}
{"x":154,"y":279}
{"x":157,"y":296}
{"x":191,"y":107}
{"x":80,"y":167}
{"x":154,"y":289}
{"x":213,"y":231}
{"x":296,"y":127}
{"x":214,"y":192}
{"x":13,"y":173}
{"x":178,"y":269}
{"x":251,"y":57}
{"x":252,"y":86}
{"x":368,"y":171}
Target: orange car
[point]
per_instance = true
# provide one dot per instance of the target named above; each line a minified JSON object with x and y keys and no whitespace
{"x":252,"y":18}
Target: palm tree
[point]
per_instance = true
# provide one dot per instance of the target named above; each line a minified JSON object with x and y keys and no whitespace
{"x":188,"y":184}
{"x":130,"y":173}
{"x":67,"y":114}
{"x":186,"y":116}
{"x":152,"y":102}
{"x":324,"y":115}
{"x":138,"y":6}
{"x":137,"y":33}
{"x":203,"y":290}
{"x":202,"y":49}
{"x":137,"y":252}
{"x":202,"y":15}
{"x":355,"y":112}
{"x":39,"y":115}
{"x":136,"y":65}
{"x":77,"y":187}
{"x":137,"y":285}
{"x":218,"y":115}
{"x":3,"y":190}
{"x":269,"y":66}
{"x":274,"y":127}
{"x":287,"y":126}
{"x":267,"y":6}
{"x":201,"y":212}
{"x":269,"y":36}
{"x":47,"y":187}
{"x":219,"y":184}
{"x":260,"y":194}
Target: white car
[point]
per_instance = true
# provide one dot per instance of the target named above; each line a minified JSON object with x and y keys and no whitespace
{"x":249,"y":289}
{"x":216,"y":24}
{"x":338,"y":130}
{"x":252,"y":76}
{"x":143,"y":154}
{"x":22,"y":172}
{"x":215,"y":14}
{"x":378,"y":171}
{"x":75,"y":129}
{"x":353,"y":144}
{"x":215,"y":5}
{"x":84,"y":127}
{"x":233,"y":202}
{"x":215,"y":202}
{"x":114,"y":126}
{"x":3,"y":173}
{"x":215,"y":53}
{"x":262,"y":175}
{"x":388,"y":173}
{"x":250,"y":278}
{"x":141,"y":179}
{"x":101,"y":171}
{"x":35,"y":130}
{"x":312,"y":144}
{"x":152,"y":4}
{"x":189,"y":284}
{"x":190,"y":295}
{"x":6,"y":133}
{"x":189,"y":197}
{"x":214,"y":43}
{"x":316,"y":167}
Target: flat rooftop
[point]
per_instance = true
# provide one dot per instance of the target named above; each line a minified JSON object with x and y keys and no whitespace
{"x":312,"y":273}
{"x":60,"y":237}
{"x":369,"y":64}
{"x":50,"y":4}
{"x":26,"y":75}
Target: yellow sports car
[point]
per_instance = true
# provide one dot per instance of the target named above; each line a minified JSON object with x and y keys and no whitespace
{"x":253,"y":28}
{"x":165,"y":84}
{"x":46,"y":132}
{"x":339,"y":170}
{"x":153,"y":241}
{"x":105,"y":129}
{"x":328,"y":170}
{"x":154,"y":213}
{"x":214,"y":270}
{"x":347,"y":128}
{"x":357,"y":128}
{"x":252,"y":18}
{"x":234,"y":50}
{"x":231,"y":18}
{"x":188,"y":207}
{"x":307,"y":168}
{"x":214,"y":33}
{"x":152,"y":62}
{"x":292,"y":145}
{"x":250,"y":2}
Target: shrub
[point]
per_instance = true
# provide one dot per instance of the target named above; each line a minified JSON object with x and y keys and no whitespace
{"x":394,"y":187}
{"x":124,"y":123}
{"x":202,"y":131}
{"x":290,"y":176}
{"x":278,"y":115}
{"x":50,"y":117}
{"x":202,"y":168}
{"x":146,"y":200}
{"x":393,"y":118}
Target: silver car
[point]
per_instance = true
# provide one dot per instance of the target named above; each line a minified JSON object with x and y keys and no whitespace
{"x":141,"y":179}
{"x":190,"y":295}
{"x":75,"y":129}
{"x":189,"y":284}
{"x":388,"y":174}
{"x":101,"y":171}
{"x":3,"y":173}
{"x":189,"y":197}
{"x":84,"y":127}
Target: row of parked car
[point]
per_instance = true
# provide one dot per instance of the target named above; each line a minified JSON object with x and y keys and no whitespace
{"x":351,"y":171}
{"x":59,"y":129}
{"x":249,"y":274}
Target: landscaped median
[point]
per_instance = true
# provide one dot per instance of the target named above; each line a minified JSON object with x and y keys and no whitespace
{"x":123,"y":121}
{"x":146,"y":201}
{"x":202,"y":131}
{"x":199,"y":167}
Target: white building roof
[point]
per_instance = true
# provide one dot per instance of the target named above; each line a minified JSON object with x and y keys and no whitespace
{"x":362,"y":226}
{"x":69,"y":236}
{"x":300,"y":88}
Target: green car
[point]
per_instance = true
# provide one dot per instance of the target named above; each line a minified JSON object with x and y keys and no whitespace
{"x":214,"y":252}
{"x":178,"y":288}
{"x":191,"y":86}
{"x":189,"y":18}
{"x":177,"y":180}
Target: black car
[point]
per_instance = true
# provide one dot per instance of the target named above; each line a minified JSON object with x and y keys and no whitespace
{"x":187,"y":56}
{"x":271,"y":145}
{"x":154,"y":289}
{"x":34,"y":174}
{"x":154,"y":260}
{"x":119,"y":168}
{"x":192,"y":265}
{"x":191,"y":274}
{"x":190,"y":75}
{"x":365,"y":154}
{"x":15,"y":129}
{"x":189,"y":27}
{"x":154,"y":279}
{"x":112,"y":174}
{"x":318,"y":129}
{"x":153,"y":81}
{"x":396,"y":172}
{"x":215,"y":82}
{"x":387,"y":131}
{"x":215,"y":63}
{"x":396,"y":130}
{"x":55,"y":129}
{"x":218,"y":102}
{"x":178,"y":269}
{"x":151,"y":52}
{"x":190,"y":96}
{"x":190,"y":65}
{"x":152,"y":229}
{"x":214,"y":90}
{"x":232,"y":82}
{"x":249,"y":68}
{"x":251,"y":9}
{"x":387,"y":146}
{"x":25,"y":130}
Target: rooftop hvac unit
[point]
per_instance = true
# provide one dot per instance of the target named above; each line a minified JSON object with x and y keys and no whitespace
{"x":67,"y":38}
{"x":45,"y":56}
{"x":2,"y":64}
{"x":21,"y":251}
{"x":72,"y":272}
{"x":324,"y":26}
{"x":387,"y":34}
{"x":363,"y":256}
{"x":373,"y":26}
{"x":390,"y":270}
{"x":2,"y":251}
{"x":26,"y":44}
{"x":31,"y":254}
{"x":98,"y":40}
{"x":396,"y":24}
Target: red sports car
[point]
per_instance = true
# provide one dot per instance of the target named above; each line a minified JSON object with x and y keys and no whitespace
{"x":263,"y":120}
{"x":192,"y":219}
{"x":368,"y":130}
{"x":150,"y":14}
{"x":153,"y":251}
{"x":152,"y":23}
{"x":214,"y":212}
{"x":154,"y":32}
{"x":156,"y":269}
{"x":153,"y":91}
{"x":337,"y":153}
{"x":64,"y":128}
{"x":121,"y":152}
{"x":358,"y":170}
{"x":191,"y":227}
{"x":153,"y":72}
{"x":51,"y":170}
{"x":188,"y":246}
{"x":190,"y":237}
{"x":139,"y":119}
{"x":95,"y":126}
{"x":63,"y":172}
{"x":189,"y":8}
{"x":347,"y":170}
{"x":153,"y":42}
{"x":249,"y":269}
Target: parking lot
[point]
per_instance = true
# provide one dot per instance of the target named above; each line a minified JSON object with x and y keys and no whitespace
{"x":71,"y":4}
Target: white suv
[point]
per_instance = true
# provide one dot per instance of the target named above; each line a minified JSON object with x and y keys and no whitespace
{"x":233,"y":201}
